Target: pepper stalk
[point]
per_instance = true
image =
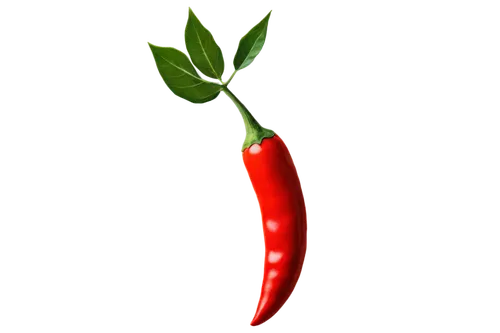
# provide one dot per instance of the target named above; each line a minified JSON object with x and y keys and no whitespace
{"x":253,"y":130}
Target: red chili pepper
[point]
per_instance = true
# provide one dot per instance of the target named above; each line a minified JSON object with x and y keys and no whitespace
{"x":278,"y":190}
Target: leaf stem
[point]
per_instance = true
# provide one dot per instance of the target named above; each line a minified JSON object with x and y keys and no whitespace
{"x":230,"y":78}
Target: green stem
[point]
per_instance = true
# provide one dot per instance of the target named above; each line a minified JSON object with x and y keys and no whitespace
{"x":230,"y":77}
{"x":254,"y":132}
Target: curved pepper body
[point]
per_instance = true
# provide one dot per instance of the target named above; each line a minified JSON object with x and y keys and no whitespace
{"x":278,"y":190}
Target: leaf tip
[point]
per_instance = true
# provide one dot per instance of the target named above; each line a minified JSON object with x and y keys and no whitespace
{"x":190,"y":10}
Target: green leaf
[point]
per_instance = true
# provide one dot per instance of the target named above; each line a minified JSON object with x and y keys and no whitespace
{"x":181,"y":77}
{"x":251,"y":44}
{"x":203,"y":50}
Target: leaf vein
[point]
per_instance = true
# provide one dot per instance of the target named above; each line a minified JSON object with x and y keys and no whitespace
{"x":176,"y":76}
{"x":185,"y":87}
{"x":211,"y":94}
{"x":203,"y":50}
{"x":182,"y":69}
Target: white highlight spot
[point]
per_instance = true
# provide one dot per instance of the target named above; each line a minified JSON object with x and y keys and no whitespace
{"x":255,"y":149}
{"x":272,"y":274}
{"x":272,"y":225}
{"x":274,"y":257}
{"x":263,"y":302}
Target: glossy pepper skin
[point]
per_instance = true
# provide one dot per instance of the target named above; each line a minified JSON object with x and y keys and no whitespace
{"x":278,"y":190}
